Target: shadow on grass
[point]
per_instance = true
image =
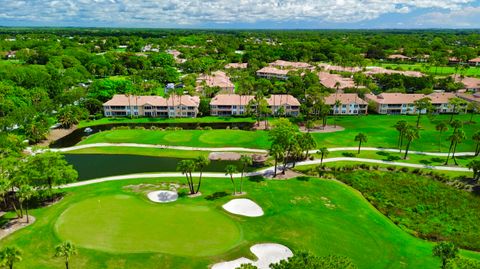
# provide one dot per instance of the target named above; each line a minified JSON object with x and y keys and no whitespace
{"x":303,"y":178}
{"x":216,"y":195}
{"x":256,"y":179}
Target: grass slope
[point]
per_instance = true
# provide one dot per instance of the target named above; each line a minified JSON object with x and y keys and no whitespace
{"x":323,"y":216}
{"x":209,"y":119}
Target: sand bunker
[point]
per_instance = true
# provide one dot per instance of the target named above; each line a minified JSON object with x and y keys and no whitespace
{"x":163,"y":196}
{"x":266,"y":253}
{"x":224,"y":156}
{"x":243,"y":207}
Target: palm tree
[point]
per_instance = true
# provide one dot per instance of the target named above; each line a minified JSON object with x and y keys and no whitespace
{"x":476,"y":139}
{"x":200,"y":163}
{"x":411,"y":133}
{"x":360,"y":137}
{"x":473,"y":107}
{"x":401,"y":126}
{"x":456,"y":124}
{"x":307,"y":143}
{"x":455,"y":103}
{"x":457,"y":137}
{"x":25,"y":193}
{"x":338,"y":107}
{"x":187,"y":167}
{"x":65,"y":250}
{"x":245,"y":160}
{"x":441,"y":127}
{"x":323,"y":153}
{"x":278,"y":153}
{"x":229,"y":171}
{"x":420,"y":105}
{"x":10,"y":255}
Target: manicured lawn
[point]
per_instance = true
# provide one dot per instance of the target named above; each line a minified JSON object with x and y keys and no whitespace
{"x":193,"y":138}
{"x":143,"y":226}
{"x":441,"y":70}
{"x":323,"y":216}
{"x":188,"y":154}
{"x":210,"y":119}
{"x":378,"y":129}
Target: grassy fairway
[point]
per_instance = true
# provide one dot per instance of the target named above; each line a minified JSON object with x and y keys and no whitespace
{"x":125,"y":223}
{"x":193,"y":138}
{"x":210,"y":119}
{"x":440,"y":71}
{"x":188,"y":154}
{"x":378,"y":129}
{"x":323,"y":216}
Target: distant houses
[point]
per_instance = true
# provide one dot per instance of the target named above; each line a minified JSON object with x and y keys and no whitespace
{"x":380,"y":70}
{"x":335,"y":81}
{"x":469,"y":83}
{"x":234,"y":104}
{"x":280,"y":69}
{"x":236,"y":66}
{"x":184,"y":106}
{"x":217,"y":79}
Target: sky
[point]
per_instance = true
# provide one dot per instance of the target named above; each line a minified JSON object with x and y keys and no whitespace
{"x":245,"y":14}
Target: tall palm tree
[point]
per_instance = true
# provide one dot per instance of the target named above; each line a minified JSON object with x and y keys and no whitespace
{"x":323,"y":153}
{"x":401,"y":126}
{"x":278,"y":153}
{"x":420,"y":105}
{"x":245,"y":160}
{"x":457,"y":137}
{"x":456,"y":124}
{"x":65,"y":250}
{"x":229,"y":171}
{"x":441,"y":127}
{"x":25,"y":193}
{"x":455,"y":103}
{"x":200,"y":163}
{"x":473,"y":107}
{"x":338,"y":107}
{"x":411,"y":133}
{"x":360,"y":138}
{"x":307,"y":142}
{"x":187,"y":167}
{"x":10,"y":255}
{"x":476,"y":139}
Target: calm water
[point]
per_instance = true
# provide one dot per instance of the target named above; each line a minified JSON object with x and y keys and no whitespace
{"x":77,"y":135}
{"x":91,"y":166}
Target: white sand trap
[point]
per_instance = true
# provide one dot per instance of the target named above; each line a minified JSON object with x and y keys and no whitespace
{"x":163,"y":196}
{"x":266,"y":253}
{"x":243,"y":207}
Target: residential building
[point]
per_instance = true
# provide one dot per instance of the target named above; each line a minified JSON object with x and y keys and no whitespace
{"x":217,"y":79}
{"x":474,"y":61}
{"x":176,"y":56}
{"x":236,"y":66}
{"x":394,"y":103}
{"x":335,"y":81}
{"x":351,"y":104}
{"x":373,"y":70}
{"x":398,"y":57}
{"x":234,"y":104}
{"x":470,"y":97}
{"x":328,"y":67}
{"x":470,"y":84}
{"x":279,"y":69}
{"x":440,"y":101}
{"x":184,"y":106}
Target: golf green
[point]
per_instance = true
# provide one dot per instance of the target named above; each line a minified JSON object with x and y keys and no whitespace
{"x":129,"y":224}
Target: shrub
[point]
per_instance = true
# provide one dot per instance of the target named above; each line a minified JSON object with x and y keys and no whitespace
{"x":207,"y":128}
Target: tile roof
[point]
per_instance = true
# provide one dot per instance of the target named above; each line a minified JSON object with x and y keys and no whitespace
{"x":330,"y":80}
{"x":469,"y":82}
{"x":236,"y":65}
{"x":273,"y":70}
{"x":124,"y":100}
{"x":398,"y":56}
{"x":287,"y":64}
{"x":216,"y":79}
{"x":345,"y":98}
{"x":394,"y":98}
{"x":470,"y":97}
{"x":282,"y":99}
{"x":235,"y":99}
{"x":380,"y":70}
{"x":441,"y":97}
{"x":474,"y":60}
{"x":328,"y":67}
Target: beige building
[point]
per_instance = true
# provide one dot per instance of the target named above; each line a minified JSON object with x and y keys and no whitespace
{"x":469,"y":83}
{"x":440,"y":101}
{"x":234,"y":104}
{"x":184,"y":106}
{"x":279,"y":69}
{"x":395,"y":103}
{"x":335,"y":81}
{"x":217,"y":79}
{"x":351,"y":104}
{"x":470,"y":97}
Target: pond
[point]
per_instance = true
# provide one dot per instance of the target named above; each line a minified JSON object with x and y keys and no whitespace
{"x":77,"y":135}
{"x":91,"y":166}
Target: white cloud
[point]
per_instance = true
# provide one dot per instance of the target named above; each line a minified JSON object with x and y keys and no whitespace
{"x":192,"y":12}
{"x":468,"y":17}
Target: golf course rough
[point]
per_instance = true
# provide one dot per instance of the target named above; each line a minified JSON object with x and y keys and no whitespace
{"x":128,"y":224}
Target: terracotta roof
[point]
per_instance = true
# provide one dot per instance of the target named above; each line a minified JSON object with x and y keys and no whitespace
{"x":474,"y":60}
{"x":231,"y":100}
{"x":345,"y":98}
{"x":394,"y":98}
{"x":337,"y":68}
{"x":273,"y":70}
{"x":330,"y":80}
{"x":286,"y":64}
{"x":282,"y":99}
{"x":216,"y":79}
{"x":397,"y":56}
{"x":470,"y":97}
{"x":236,"y":65}
{"x":123,"y":100}
{"x":381,"y":70}
{"x":441,"y":97}
{"x":469,"y":82}
{"x":235,"y":99}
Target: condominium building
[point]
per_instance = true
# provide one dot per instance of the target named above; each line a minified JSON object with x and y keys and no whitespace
{"x":441,"y":101}
{"x":350,"y":104}
{"x":184,"y":106}
{"x":234,"y":104}
{"x":395,"y":103}
{"x":335,"y":81}
{"x":279,"y":69}
{"x":217,"y":79}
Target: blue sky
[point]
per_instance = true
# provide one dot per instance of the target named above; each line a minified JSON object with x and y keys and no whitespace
{"x":296,"y":14}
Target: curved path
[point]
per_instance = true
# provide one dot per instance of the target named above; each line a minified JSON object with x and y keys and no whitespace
{"x":264,"y":172}
{"x":239,"y":149}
